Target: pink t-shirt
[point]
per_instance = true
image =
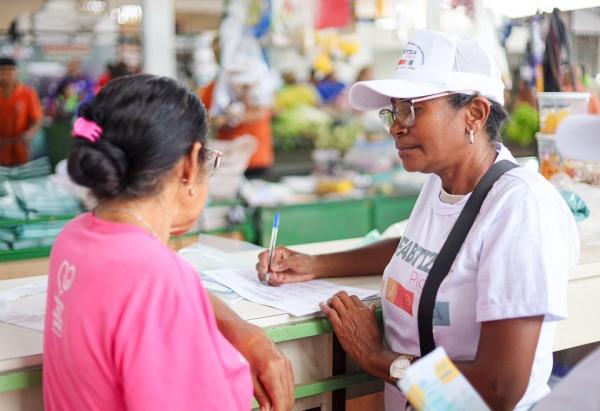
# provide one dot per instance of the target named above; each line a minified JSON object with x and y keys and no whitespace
{"x":130,"y":327}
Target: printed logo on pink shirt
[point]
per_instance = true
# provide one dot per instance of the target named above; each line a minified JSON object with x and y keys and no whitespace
{"x":65,"y":278}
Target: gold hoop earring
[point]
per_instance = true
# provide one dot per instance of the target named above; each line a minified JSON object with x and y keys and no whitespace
{"x":471,"y":136}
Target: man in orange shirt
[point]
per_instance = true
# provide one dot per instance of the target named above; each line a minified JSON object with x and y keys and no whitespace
{"x":245,"y":115}
{"x":20,"y":116}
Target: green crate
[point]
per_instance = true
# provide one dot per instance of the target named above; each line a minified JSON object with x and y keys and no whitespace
{"x":390,"y":210}
{"x":58,"y":140}
{"x":323,"y":221}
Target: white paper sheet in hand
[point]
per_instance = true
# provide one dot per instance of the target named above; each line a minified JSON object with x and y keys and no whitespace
{"x":435,"y":384}
{"x":295,"y":298}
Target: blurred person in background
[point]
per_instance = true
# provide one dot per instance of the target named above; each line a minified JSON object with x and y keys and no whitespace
{"x":20,"y":116}
{"x":206,"y":94}
{"x":249,"y":110}
{"x":113,"y":71}
{"x":293,"y":93}
{"x":525,"y":94}
{"x":567,"y":86}
{"x":73,"y":89}
{"x":329,"y":88}
{"x":248,"y":114}
{"x":365,"y":74}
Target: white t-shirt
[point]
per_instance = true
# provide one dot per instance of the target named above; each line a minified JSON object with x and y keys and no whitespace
{"x":514,"y":263}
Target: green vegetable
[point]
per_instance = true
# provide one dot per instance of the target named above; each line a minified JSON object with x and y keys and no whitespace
{"x":297,"y":125}
{"x":304,"y":125}
{"x":341,"y":136}
{"x":522,"y":125}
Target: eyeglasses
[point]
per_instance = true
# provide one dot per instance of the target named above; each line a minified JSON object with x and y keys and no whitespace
{"x":213,"y":160}
{"x":404,"y":111}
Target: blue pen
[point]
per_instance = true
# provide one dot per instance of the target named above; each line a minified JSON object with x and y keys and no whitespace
{"x":272,"y":244}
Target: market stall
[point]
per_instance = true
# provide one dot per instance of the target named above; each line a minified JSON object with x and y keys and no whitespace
{"x":305,"y":340}
{"x":275,"y":77}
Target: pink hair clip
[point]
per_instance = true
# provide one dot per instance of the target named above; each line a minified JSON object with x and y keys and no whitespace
{"x":87,"y":129}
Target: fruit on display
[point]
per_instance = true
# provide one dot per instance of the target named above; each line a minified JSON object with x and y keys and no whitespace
{"x":587,"y":172}
{"x":323,"y":63}
{"x":553,"y":120}
{"x":341,"y":136}
{"x":319,"y":127}
{"x":550,"y":165}
{"x":328,"y":186}
{"x":296,"y":123}
{"x":349,"y":47}
{"x":523,"y":125}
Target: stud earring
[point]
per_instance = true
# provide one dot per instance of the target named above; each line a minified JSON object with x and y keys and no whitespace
{"x":191,"y":192}
{"x":471,"y":136}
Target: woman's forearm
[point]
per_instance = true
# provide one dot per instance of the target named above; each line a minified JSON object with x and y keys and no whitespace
{"x":231,"y":325}
{"x":368,"y":260}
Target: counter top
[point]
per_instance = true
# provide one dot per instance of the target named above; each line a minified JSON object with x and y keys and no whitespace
{"x":21,"y":348}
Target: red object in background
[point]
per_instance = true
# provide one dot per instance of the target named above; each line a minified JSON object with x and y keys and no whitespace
{"x":468,"y":4}
{"x":333,"y":13}
{"x":102,"y":80}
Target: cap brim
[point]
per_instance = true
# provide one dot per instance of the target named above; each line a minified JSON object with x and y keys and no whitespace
{"x":376,"y":94}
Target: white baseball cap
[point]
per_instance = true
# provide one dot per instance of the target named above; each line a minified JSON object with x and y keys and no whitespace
{"x":433,"y":62}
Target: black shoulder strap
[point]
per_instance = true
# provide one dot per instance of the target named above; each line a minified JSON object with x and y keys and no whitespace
{"x":450,"y":249}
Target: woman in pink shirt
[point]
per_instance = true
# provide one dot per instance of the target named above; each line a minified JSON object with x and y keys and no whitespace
{"x":129,"y":325}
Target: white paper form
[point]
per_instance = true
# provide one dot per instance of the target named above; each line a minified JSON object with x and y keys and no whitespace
{"x":295,"y":298}
{"x":25,"y":306}
{"x":203,"y":258}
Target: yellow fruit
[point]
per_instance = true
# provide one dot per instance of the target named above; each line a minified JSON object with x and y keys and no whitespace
{"x":330,"y":186}
{"x":349,"y":47}
{"x":323,"y":63}
{"x":553,"y":120}
{"x":560,"y":116}
{"x":344,"y":186}
{"x":550,"y":124}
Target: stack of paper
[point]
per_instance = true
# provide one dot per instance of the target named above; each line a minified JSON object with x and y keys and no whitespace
{"x":25,"y":306}
{"x":295,"y":298}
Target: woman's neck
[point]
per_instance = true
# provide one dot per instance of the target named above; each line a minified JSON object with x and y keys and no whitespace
{"x":148,"y":214}
{"x":463,"y":176}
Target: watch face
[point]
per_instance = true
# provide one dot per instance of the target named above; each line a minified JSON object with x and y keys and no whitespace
{"x":399,"y":367}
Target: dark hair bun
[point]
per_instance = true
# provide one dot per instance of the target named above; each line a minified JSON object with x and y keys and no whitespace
{"x":148,"y":124}
{"x":99,"y":166}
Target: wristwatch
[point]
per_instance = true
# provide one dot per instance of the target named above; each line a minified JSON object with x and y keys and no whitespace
{"x":399,"y":366}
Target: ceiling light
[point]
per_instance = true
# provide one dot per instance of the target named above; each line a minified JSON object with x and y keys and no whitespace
{"x":93,"y":6}
{"x":127,"y":14}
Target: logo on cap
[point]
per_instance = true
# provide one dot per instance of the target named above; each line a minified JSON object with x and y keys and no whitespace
{"x":411,"y":56}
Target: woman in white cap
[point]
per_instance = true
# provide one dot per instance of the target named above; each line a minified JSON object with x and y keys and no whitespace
{"x":483,"y":264}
